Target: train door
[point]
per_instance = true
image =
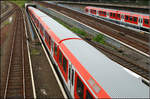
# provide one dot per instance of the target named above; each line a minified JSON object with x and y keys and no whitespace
{"x":71,"y":77}
{"x":97,"y":13}
{"x":122,"y":17}
{"x":140,"y":23}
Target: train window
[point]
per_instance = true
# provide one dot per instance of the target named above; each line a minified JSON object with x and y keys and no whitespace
{"x":69,"y":71}
{"x":91,"y":10}
{"x":113,"y":14}
{"x":60,"y":57}
{"x":100,"y":12}
{"x":80,"y":88}
{"x":86,"y":10}
{"x":46,"y":36}
{"x":118,"y":15}
{"x":64,"y":64}
{"x":135,"y":19}
{"x":146,"y":21}
{"x":130,"y":18}
{"x":72,"y":76}
{"x":40,"y":26}
{"x":110,"y":14}
{"x":127,"y":17}
{"x":44,"y":32}
{"x":94,"y":11}
{"x":52,"y":43}
{"x":104,"y":13}
{"x":88,"y":95}
{"x":55,"y":49}
{"x":49,"y":40}
{"x":141,"y":21}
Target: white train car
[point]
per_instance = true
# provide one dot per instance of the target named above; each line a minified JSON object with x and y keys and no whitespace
{"x":86,"y":72}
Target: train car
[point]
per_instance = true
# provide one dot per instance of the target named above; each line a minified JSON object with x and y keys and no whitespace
{"x":136,"y":20}
{"x":86,"y":72}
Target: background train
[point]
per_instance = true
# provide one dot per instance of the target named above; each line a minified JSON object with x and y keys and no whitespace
{"x":86,"y":72}
{"x":136,"y":20}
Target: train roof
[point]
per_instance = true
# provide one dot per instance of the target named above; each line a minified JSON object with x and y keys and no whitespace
{"x":111,"y":76}
{"x":121,"y":12}
{"x":59,"y":30}
{"x":55,"y":27}
{"x":89,"y":62}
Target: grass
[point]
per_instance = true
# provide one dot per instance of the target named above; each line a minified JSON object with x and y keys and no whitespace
{"x":99,"y":38}
{"x":6,"y":22}
{"x":20,"y":3}
{"x":62,"y":23}
{"x":78,"y":31}
{"x":35,"y":52}
{"x":73,"y":29}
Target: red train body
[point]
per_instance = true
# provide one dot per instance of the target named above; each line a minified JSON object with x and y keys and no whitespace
{"x":86,"y":72}
{"x":140,"y":21}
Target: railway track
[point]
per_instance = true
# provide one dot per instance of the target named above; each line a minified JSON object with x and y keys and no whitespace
{"x":18,"y":81}
{"x":8,"y":14}
{"x":4,"y":9}
{"x":112,"y":30}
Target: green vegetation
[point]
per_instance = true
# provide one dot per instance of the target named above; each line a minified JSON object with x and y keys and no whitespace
{"x":62,"y":23}
{"x":20,"y":3}
{"x":99,"y":38}
{"x":79,"y":31}
{"x":6,"y":22}
{"x":35,"y":52}
{"x":73,"y":29}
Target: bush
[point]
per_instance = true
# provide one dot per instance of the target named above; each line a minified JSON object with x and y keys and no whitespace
{"x":99,"y":38}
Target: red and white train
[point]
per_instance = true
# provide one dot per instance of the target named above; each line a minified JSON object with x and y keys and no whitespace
{"x":136,"y":20}
{"x":86,"y":72}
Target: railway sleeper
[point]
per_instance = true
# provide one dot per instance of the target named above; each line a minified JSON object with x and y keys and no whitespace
{"x":14,"y":96}
{"x":15,"y":93}
{"x":17,"y":58}
{"x":16,"y":78}
{"x":19,"y":74}
{"x":17,"y":69}
{"x":16,"y":75}
{"x":16,"y":65}
{"x":13,"y":87}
